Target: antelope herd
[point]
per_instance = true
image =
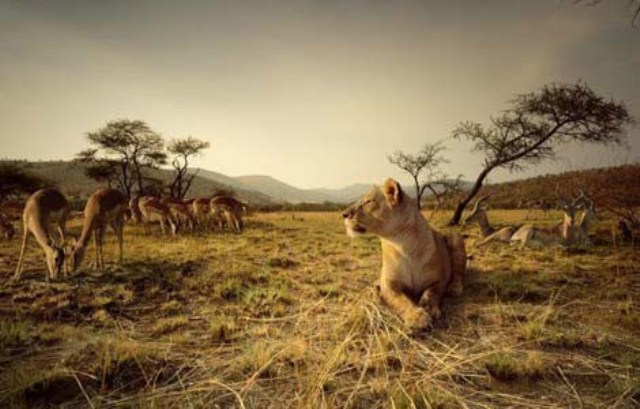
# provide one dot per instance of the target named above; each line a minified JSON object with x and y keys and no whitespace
{"x":110,"y":208}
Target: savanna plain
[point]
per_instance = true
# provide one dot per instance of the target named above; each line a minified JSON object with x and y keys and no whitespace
{"x":285,"y":315}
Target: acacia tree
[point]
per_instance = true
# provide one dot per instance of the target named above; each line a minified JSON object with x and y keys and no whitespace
{"x":444,"y":189}
{"x":122,"y":150}
{"x":103,"y":171}
{"x":426,"y":162}
{"x":536,"y":124}
{"x":183,"y":149}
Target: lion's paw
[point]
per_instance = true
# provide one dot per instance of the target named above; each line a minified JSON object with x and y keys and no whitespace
{"x":418,"y":319}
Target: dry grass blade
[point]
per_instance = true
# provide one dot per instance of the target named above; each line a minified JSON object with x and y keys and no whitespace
{"x":536,"y":329}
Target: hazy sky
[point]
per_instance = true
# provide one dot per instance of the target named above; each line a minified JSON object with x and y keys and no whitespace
{"x":314,"y":93}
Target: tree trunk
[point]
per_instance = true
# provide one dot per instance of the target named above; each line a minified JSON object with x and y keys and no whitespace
{"x":457,"y":215}
{"x":126,"y":186}
{"x":138,"y":176}
{"x":188,"y":183}
{"x":418,"y":193}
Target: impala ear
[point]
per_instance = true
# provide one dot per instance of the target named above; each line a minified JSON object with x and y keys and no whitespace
{"x":393,"y":192}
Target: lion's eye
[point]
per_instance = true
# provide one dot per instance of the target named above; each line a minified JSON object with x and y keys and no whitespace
{"x":370,"y":203}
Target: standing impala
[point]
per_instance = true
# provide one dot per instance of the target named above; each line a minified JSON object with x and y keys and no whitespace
{"x":104,"y":207}
{"x":44,"y":208}
{"x":202,"y":212}
{"x":153,"y":209}
{"x":232,"y":210}
{"x":181,"y":212}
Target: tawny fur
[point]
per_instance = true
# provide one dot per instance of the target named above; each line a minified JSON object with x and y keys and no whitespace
{"x":153,"y":209}
{"x":105,"y":207}
{"x":202,"y":213}
{"x":419,"y":264}
{"x":44,"y":208}
{"x":231,"y":209}
{"x":181,"y":212}
{"x":488,"y":233}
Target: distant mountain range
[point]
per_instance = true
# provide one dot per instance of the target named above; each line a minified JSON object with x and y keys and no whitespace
{"x":282,"y":192}
{"x":261,"y":189}
{"x":70,"y":177}
{"x":257,"y":189}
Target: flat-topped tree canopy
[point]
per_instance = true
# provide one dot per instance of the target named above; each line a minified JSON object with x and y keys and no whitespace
{"x":536,"y":124}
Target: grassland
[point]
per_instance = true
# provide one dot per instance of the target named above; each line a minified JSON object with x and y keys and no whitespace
{"x":284,"y":315}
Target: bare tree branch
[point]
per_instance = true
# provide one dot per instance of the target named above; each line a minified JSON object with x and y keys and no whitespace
{"x":427,"y":161}
{"x":536,"y":123}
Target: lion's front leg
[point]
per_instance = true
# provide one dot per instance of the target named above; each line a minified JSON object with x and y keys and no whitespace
{"x":431,"y":300}
{"x":413,"y":316}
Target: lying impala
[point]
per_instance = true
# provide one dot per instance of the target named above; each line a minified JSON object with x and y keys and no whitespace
{"x":570,"y":232}
{"x":479,"y":215}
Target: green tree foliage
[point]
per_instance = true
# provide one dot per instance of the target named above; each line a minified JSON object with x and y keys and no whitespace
{"x":121,"y":151}
{"x":182,"y":150}
{"x":536,"y":123}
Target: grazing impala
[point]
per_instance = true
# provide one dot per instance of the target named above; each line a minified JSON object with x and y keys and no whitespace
{"x":104,"y":207}
{"x":232,"y":210}
{"x":44,"y":208}
{"x":154,"y":209}
{"x":180,"y":211}
{"x":201,"y":212}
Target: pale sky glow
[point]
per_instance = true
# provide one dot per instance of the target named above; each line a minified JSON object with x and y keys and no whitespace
{"x":314,"y":93}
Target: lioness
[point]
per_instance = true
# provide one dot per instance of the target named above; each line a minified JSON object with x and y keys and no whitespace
{"x":419,"y":264}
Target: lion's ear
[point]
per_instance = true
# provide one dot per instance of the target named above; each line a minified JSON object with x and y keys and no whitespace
{"x":393,"y":192}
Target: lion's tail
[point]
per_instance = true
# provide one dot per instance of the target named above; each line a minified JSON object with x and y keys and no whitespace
{"x":458,"y":254}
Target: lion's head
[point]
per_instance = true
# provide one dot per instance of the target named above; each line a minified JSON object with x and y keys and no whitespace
{"x":382,"y":211}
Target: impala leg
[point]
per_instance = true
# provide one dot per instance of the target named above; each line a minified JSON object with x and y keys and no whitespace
{"x":96,"y":241}
{"x":100,"y":244}
{"x":25,"y":239}
{"x":62,"y":229}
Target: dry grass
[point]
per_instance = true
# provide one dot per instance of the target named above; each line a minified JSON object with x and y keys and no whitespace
{"x":285,"y":316}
